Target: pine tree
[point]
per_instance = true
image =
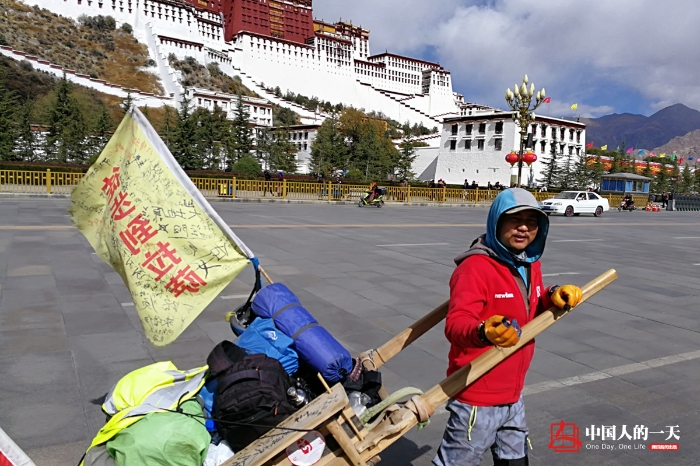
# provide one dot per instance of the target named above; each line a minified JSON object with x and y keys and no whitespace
{"x":100,"y":135}
{"x":551,"y":172}
{"x":407,"y":156}
{"x":329,"y":151}
{"x":597,"y":171}
{"x":283,"y":152}
{"x":26,"y":139}
{"x":567,"y":179}
{"x":167,"y":130}
{"x":184,"y":141}
{"x":65,"y":141}
{"x":126,"y":104}
{"x":660,"y":183}
{"x":8,"y":123}
{"x":240,"y":141}
{"x":263,"y":145}
{"x":686,"y":183}
{"x":583,"y":173}
{"x":696,"y":181}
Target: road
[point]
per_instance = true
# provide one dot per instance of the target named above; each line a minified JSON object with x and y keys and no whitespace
{"x":630,"y":356}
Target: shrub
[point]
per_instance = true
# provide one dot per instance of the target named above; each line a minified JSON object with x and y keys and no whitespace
{"x":247,"y":165}
{"x":126,"y":28}
{"x":150,"y":62}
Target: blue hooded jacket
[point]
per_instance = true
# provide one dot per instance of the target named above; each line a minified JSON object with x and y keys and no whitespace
{"x":505,"y":201}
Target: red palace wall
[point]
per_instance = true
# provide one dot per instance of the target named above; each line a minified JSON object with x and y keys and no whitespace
{"x":291,"y":20}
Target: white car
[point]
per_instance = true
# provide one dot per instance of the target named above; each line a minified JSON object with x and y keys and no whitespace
{"x":570,"y":203}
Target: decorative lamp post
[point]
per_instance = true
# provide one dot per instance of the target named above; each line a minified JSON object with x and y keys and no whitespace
{"x":520,"y":100}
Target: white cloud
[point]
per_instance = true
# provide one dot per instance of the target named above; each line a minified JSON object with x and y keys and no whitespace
{"x":576,"y":49}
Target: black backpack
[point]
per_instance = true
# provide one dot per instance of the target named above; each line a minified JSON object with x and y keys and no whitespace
{"x":251,"y":395}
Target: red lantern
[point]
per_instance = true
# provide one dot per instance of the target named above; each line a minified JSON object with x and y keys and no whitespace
{"x":512,"y":158}
{"x":529,"y":158}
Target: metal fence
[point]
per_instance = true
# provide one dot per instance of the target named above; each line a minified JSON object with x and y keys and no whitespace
{"x":48,"y":182}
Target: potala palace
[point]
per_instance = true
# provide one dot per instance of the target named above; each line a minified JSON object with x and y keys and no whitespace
{"x":278,"y":43}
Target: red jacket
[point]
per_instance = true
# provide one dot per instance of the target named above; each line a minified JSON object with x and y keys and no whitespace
{"x":481,"y":286}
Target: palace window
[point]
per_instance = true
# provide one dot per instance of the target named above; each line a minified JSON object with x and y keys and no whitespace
{"x":453,"y":144}
{"x":571,"y":134}
{"x":468,"y":129}
{"x":482,"y":128}
{"x":455,"y":128}
{"x":468,"y":144}
{"x":480,"y":144}
{"x":543,"y":128}
{"x":562,"y":133}
{"x":499,"y":129}
{"x":498,"y":144}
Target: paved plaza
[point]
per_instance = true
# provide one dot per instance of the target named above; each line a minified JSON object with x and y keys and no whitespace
{"x":630,"y":356}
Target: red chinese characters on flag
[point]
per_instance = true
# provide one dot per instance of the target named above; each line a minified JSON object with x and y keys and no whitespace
{"x":162,"y":260}
{"x":119,"y":206}
{"x":138,"y":231}
{"x":185,"y":280}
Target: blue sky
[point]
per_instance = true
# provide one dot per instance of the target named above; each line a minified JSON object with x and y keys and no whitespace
{"x":609,"y":56}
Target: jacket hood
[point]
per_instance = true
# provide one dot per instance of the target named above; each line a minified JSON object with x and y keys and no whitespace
{"x":507,"y":200}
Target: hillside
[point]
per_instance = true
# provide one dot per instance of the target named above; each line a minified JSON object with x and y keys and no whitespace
{"x":96,"y":48}
{"x":683,"y":146}
{"x":640,"y":131}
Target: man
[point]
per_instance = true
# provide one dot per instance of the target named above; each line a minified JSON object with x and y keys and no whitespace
{"x":268,"y":177}
{"x":498,"y":278}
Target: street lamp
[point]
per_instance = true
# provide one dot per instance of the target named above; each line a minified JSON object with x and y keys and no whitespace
{"x":520,"y":100}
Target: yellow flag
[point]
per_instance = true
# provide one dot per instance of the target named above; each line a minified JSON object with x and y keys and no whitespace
{"x":144,"y":217}
{"x":574,"y":106}
{"x":662,"y":155}
{"x":605,"y":147}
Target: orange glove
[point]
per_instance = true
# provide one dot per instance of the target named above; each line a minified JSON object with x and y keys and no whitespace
{"x":566,"y":296}
{"x":499,"y":334}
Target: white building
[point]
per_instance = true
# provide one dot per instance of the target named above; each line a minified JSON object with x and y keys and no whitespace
{"x":259,"y":110}
{"x":332,"y":63}
{"x":474,"y":147}
{"x":302,"y":136}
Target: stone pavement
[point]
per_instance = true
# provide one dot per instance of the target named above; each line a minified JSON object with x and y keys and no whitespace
{"x":628,"y":357}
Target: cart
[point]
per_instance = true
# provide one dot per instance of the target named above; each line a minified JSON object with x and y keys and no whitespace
{"x":327,"y":431}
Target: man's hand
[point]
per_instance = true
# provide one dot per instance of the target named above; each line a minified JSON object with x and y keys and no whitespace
{"x":499,"y":334}
{"x":567,"y":296}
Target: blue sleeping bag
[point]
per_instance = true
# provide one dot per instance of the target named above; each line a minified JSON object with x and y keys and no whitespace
{"x":261,"y":337}
{"x":314,"y":343}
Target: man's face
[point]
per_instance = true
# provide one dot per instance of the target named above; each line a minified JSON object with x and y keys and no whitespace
{"x":516,"y":231}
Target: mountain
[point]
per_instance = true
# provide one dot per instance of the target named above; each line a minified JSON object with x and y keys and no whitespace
{"x":639,"y":131}
{"x":683,"y":146}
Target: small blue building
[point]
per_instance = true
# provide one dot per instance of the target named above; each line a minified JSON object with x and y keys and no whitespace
{"x":625,"y":183}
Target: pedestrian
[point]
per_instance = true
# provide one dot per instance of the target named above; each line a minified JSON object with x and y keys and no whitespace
{"x":496,"y":282}
{"x":474,"y":184}
{"x":664,"y":200}
{"x":268,"y":177}
{"x":280,"y":179}
{"x":488,"y":186}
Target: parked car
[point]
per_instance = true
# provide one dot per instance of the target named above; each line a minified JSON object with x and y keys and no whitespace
{"x":570,"y":203}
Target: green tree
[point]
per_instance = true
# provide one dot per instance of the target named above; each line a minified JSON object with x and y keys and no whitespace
{"x":127,"y":104}
{"x":184,"y":141}
{"x":283,"y":117}
{"x":686,"y":183}
{"x":65,"y":141}
{"x":248,"y":166}
{"x":240,"y":141}
{"x":282,"y":152}
{"x":169,"y":123}
{"x":551,"y":173}
{"x":8,"y":121}
{"x":583,"y":173}
{"x":329,"y":151}
{"x":407,"y":155}
{"x":263,"y":145}
{"x":26,"y":139}
{"x":696,"y":180}
{"x":660,"y":183}
{"x":567,"y":180}
{"x":100,"y":135}
{"x":597,"y":171}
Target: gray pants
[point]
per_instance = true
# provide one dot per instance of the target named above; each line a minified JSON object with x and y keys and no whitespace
{"x":470,"y":431}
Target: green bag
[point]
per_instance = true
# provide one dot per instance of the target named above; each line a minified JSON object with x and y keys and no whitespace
{"x":163,"y":438}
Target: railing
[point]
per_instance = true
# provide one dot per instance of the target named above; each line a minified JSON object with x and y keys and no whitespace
{"x":48,"y":182}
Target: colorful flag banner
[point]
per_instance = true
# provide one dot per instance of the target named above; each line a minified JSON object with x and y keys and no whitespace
{"x":680,"y":160}
{"x":673,"y":156}
{"x":589,"y":145}
{"x":629,"y":151}
{"x":605,"y":147}
{"x":690,"y":159}
{"x":547,"y":100}
{"x":661,"y":155}
{"x":574,"y":107}
{"x":144,"y":217}
{"x":641,"y":152}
